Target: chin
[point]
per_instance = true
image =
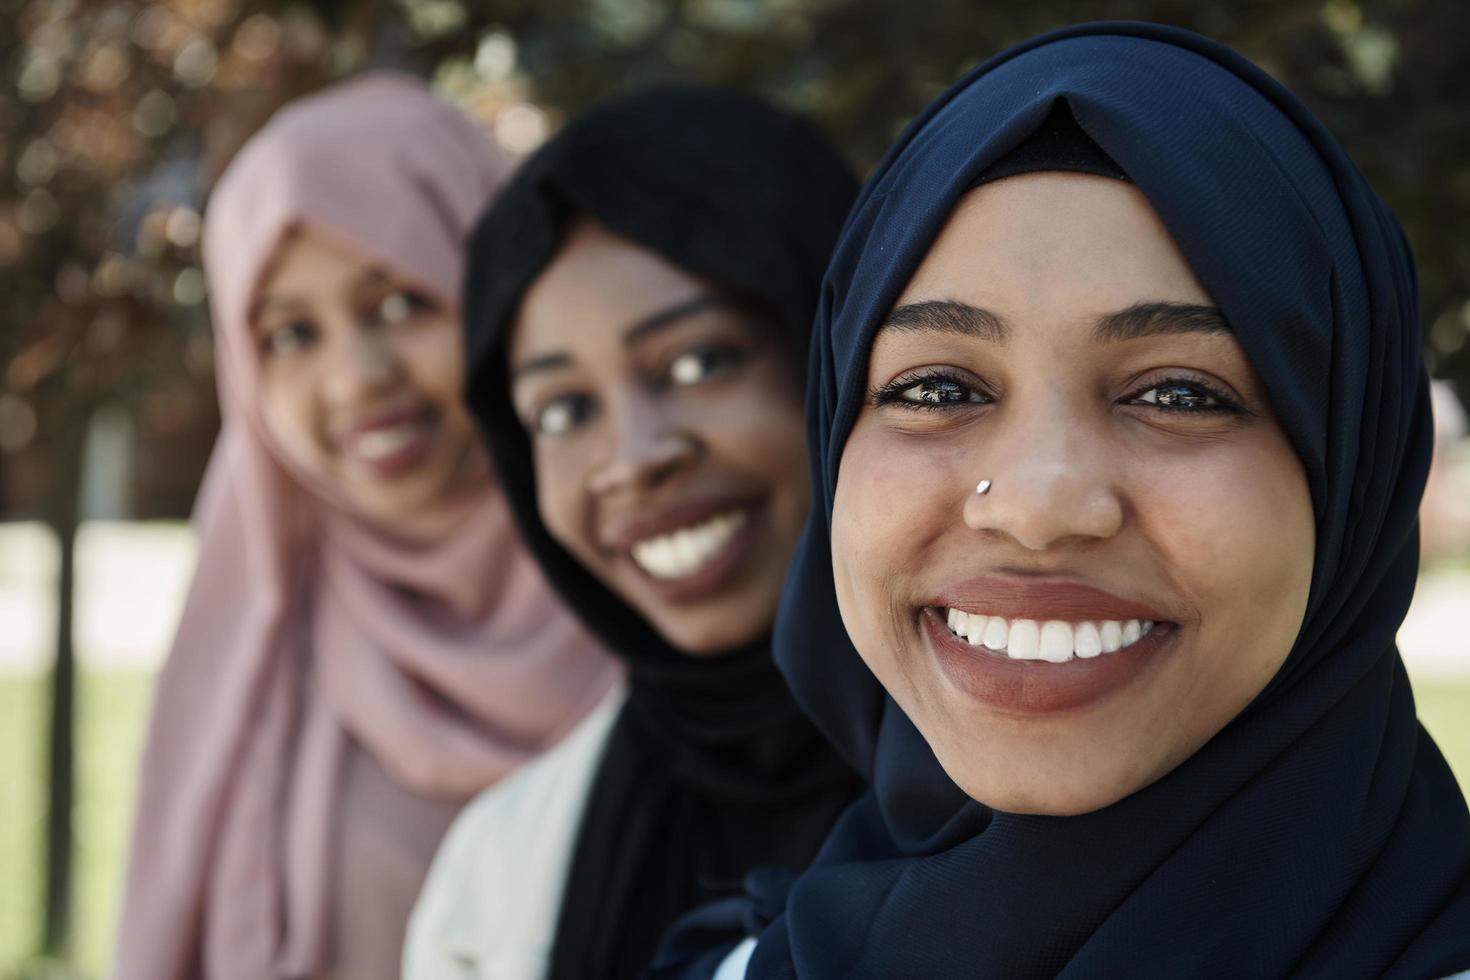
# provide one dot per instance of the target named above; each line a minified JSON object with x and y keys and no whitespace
{"x":1040,"y":785}
{"x":705,"y":639}
{"x":1042,"y":801}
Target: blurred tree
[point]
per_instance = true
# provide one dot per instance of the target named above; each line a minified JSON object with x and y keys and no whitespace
{"x":1389,"y":77}
{"x":114,"y":118}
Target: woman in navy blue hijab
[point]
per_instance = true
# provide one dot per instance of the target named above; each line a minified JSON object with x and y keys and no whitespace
{"x":1118,"y":430}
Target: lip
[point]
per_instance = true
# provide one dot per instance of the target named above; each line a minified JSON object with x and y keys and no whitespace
{"x":380,"y":420}
{"x":716,"y":573}
{"x":1041,"y":599}
{"x":622,"y":534}
{"x":409,"y":457}
{"x":1036,"y":687}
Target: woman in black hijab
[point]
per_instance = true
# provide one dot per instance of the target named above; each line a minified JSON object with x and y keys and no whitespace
{"x":1118,"y":432}
{"x":637,"y":305}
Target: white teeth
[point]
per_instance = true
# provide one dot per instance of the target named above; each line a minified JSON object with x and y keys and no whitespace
{"x":1088,"y":641}
{"x":1025,"y":641}
{"x":997,"y":632}
{"x":1054,"y":641}
{"x":961,"y":624}
{"x":681,"y":553}
{"x":382,"y":443}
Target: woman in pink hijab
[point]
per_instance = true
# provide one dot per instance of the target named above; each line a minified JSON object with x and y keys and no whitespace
{"x":365,"y":645}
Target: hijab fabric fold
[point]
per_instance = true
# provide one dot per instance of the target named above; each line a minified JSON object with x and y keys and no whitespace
{"x":314,"y":643}
{"x":1320,"y":834}
{"x":711,"y":769}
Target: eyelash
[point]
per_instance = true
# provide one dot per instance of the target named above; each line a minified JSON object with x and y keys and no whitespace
{"x":714,"y":360}
{"x":1224,"y":404}
{"x":892,"y":394}
{"x":414,"y":304}
{"x":305,"y":332}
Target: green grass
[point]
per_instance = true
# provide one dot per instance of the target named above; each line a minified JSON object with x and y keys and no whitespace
{"x":1444,"y":708}
{"x":112,"y":715}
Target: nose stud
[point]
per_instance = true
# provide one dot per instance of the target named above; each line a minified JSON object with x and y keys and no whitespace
{"x":983,"y":487}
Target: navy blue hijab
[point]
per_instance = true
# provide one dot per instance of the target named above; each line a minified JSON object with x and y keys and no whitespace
{"x":1321,"y":832}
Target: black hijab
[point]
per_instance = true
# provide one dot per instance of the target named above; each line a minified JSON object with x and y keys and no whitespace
{"x":711,"y":769}
{"x":1320,"y":833}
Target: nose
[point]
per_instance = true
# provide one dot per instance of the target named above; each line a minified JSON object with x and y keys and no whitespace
{"x":361,"y":365}
{"x":1052,"y":482}
{"x":648,"y":446}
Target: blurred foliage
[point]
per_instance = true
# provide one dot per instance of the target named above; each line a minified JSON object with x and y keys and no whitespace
{"x":114,"y":118}
{"x":1391,"y":78}
{"x":116,"y":115}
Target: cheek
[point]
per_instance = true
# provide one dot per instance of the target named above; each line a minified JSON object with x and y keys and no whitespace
{"x":901,"y":495}
{"x":1237,"y":533}
{"x":758,"y":427}
{"x":895,"y":503}
{"x":431,"y":357}
{"x":289,"y":407}
{"x":561,"y":500}
{"x":1235,"y":525}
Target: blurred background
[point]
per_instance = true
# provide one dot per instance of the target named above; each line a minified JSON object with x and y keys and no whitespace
{"x":117,"y":115}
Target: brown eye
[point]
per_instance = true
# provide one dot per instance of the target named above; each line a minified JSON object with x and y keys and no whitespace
{"x":1181,"y":395}
{"x":563,"y":414}
{"x":938,"y":392}
{"x":400,"y":305}
{"x":290,"y":338}
{"x":930,"y":389}
{"x":703,"y":363}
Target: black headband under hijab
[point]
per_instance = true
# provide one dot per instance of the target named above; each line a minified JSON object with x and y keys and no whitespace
{"x":1320,"y":834}
{"x":711,"y":768}
{"x":1058,"y":144}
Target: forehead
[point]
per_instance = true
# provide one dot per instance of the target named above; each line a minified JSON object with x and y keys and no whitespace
{"x":598,"y":285}
{"x":1051,"y":242}
{"x":308,"y":264}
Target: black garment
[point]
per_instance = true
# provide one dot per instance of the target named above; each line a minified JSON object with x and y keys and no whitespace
{"x":1320,"y":834}
{"x":711,"y":768}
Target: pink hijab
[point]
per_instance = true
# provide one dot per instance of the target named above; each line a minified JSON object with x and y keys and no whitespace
{"x":334,"y":693}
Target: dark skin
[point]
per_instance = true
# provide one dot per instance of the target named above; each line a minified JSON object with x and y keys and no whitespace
{"x":1055,"y":341}
{"x":360,"y":375}
{"x":666,"y":423}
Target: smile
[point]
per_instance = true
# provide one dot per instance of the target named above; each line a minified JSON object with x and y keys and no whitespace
{"x":681,"y":553}
{"x":1026,"y":645}
{"x":1053,"y":641}
{"x":382,"y":443}
{"x":391,"y":443}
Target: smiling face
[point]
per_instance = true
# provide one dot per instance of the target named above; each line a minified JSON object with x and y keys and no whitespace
{"x":1138,"y":568}
{"x":360,"y":382}
{"x":669,"y":451}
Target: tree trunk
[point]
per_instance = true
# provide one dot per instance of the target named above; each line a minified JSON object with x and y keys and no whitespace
{"x":63,"y":515}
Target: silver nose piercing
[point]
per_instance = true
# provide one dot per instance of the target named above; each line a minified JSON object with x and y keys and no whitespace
{"x":983,"y":487}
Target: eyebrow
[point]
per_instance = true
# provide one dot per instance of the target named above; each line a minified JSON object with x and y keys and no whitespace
{"x":264,"y":303}
{"x":546,"y":362}
{"x":947,"y":316}
{"x":1138,"y":320}
{"x":1153,"y":319}
{"x":670,"y":316}
{"x":366,"y":279}
{"x":640,"y":329}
